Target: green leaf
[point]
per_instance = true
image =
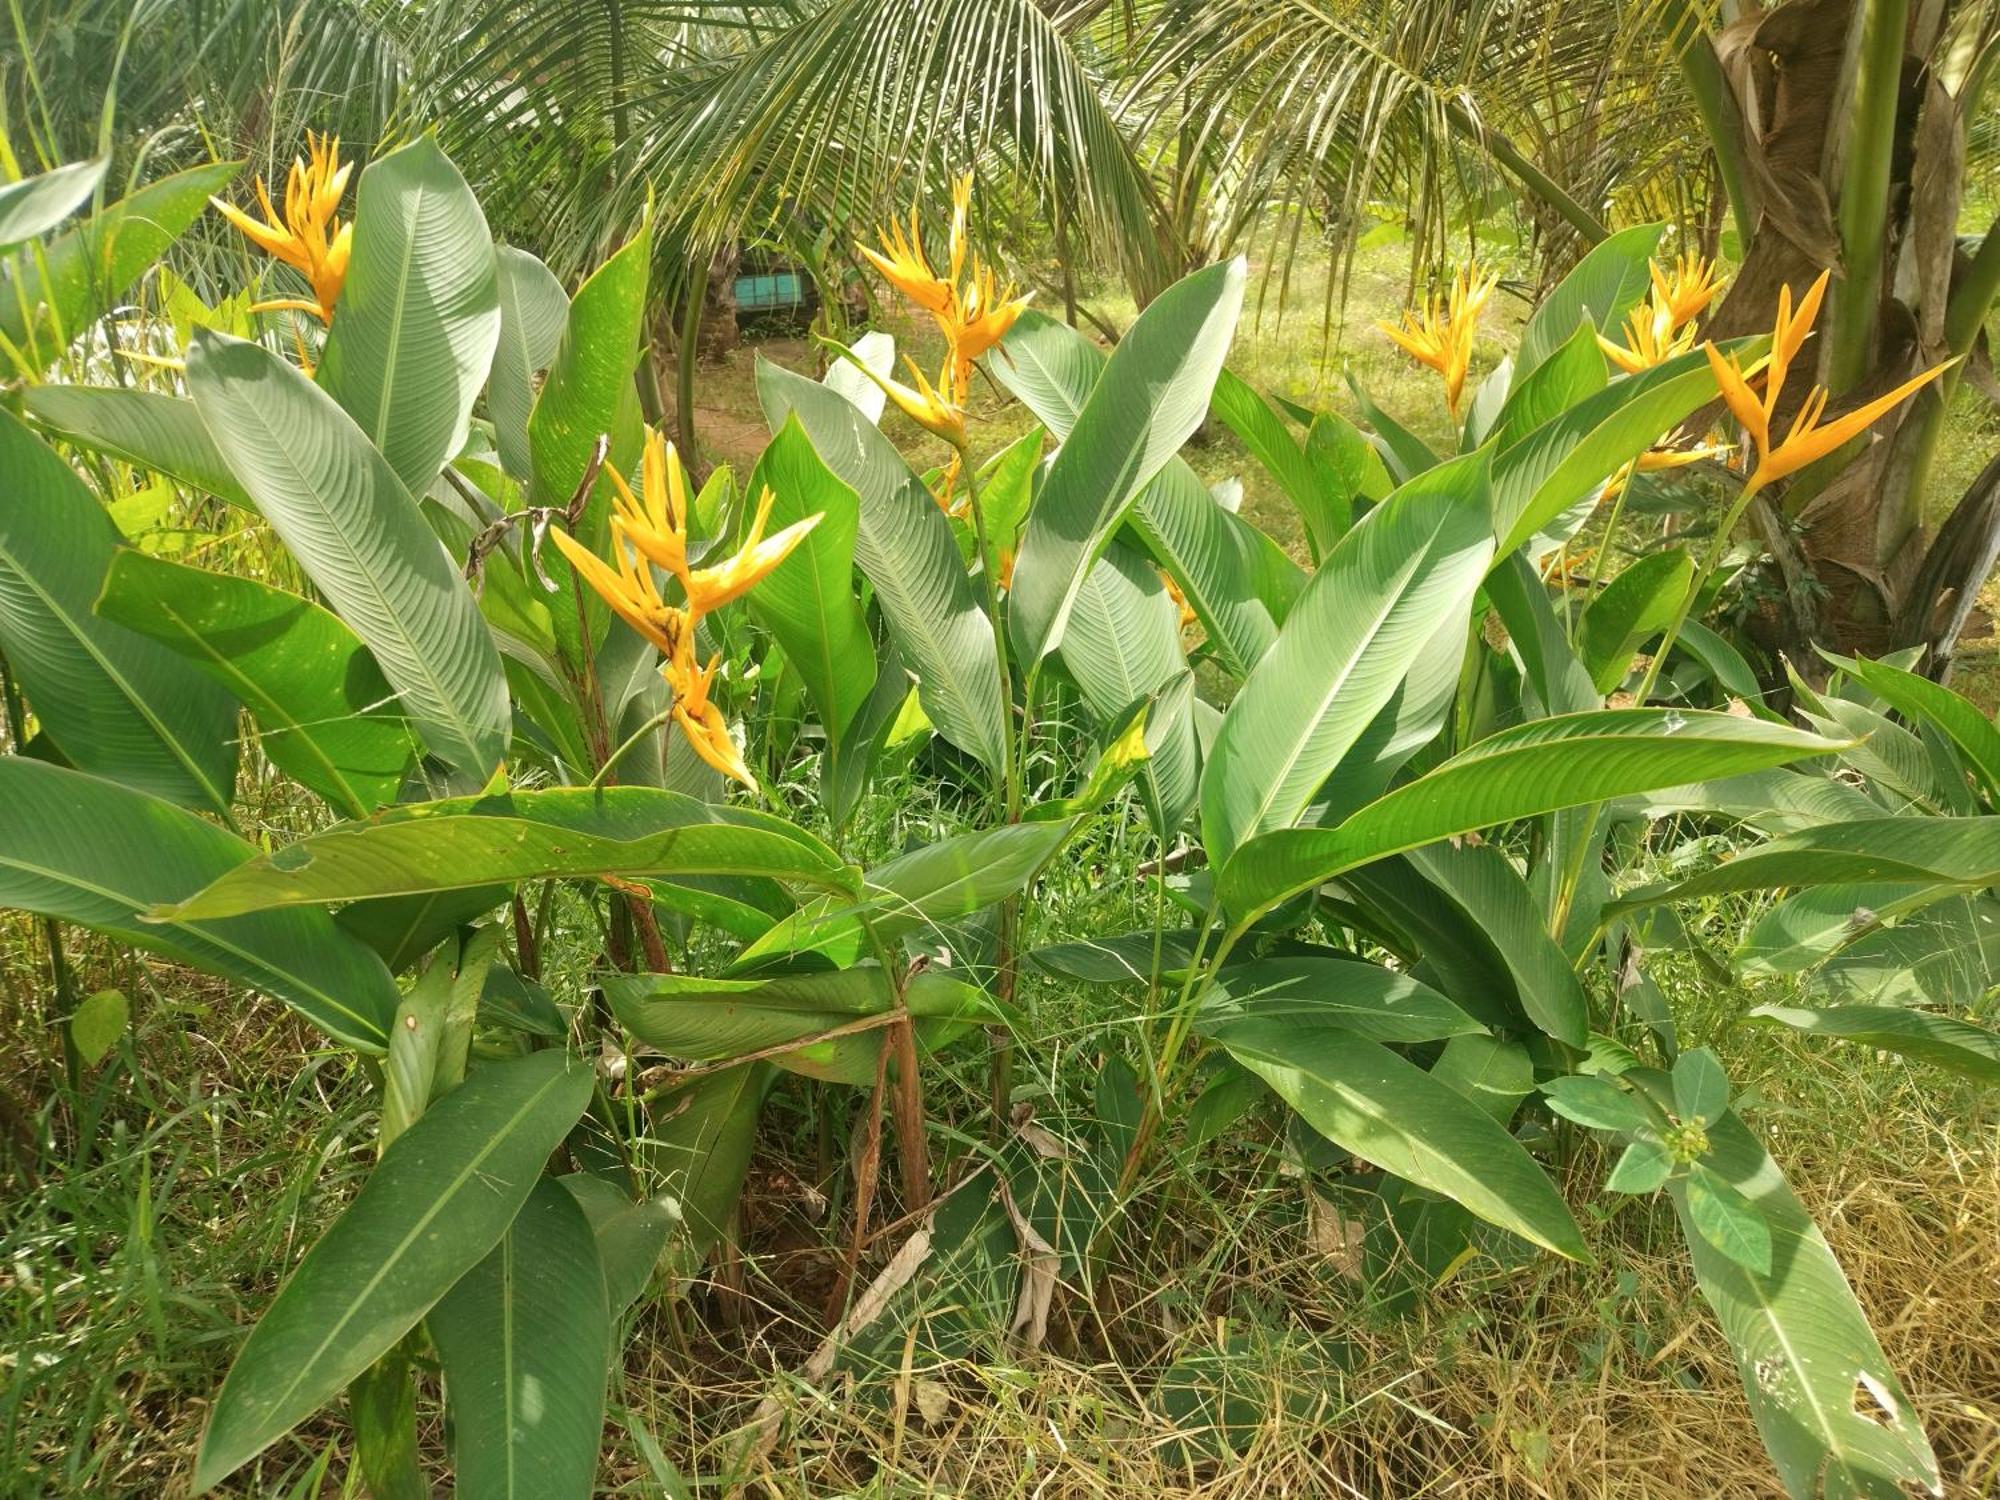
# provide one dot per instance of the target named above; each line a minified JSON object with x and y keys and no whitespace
{"x":631,"y":1235}
{"x":1602,"y":288}
{"x":926,"y":887}
{"x":115,"y":704}
{"x":1922,"y":701}
{"x":1236,"y":579}
{"x":1152,"y":395}
{"x":808,"y":600}
{"x":524,"y":1339}
{"x":89,"y":267}
{"x":1495,"y":1073}
{"x":404,"y":928}
{"x":419,"y":313}
{"x":559,"y":833}
{"x":1947,"y":852}
{"x":350,"y":522}
{"x":1643,"y":1167}
{"x":1321,"y":504}
{"x":91,"y":852}
{"x":1596,"y":1102}
{"x":33,"y":206}
{"x":324,"y":713}
{"x":711,"y":1020}
{"x":1957,"y":1045}
{"x":904,"y":545}
{"x":534,"y":309}
{"x":1575,"y":370}
{"x":96,"y":1024}
{"x":1568,"y":761}
{"x":1636,"y":605}
{"x":1832,"y":1414}
{"x":1118,"y":958}
{"x":1727,"y":1220}
{"x":1346,"y":993}
{"x":1406,"y":454}
{"x":153,"y":431}
{"x":700,"y":1142}
{"x":874,"y":351}
{"x":589,"y":394}
{"x":1406,"y":571}
{"x":439,"y":1200}
{"x":1701,"y":1088}
{"x":1367,"y":1100}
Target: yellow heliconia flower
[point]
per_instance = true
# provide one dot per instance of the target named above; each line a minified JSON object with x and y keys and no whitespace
{"x":308,"y":238}
{"x":980,"y":319}
{"x":1685,"y":291}
{"x":1651,"y":338}
{"x":630,"y":591}
{"x":935,"y":408}
{"x":1807,"y":440}
{"x":701,"y":721}
{"x":1653,"y":460}
{"x":903,"y":264}
{"x":1188,"y":617}
{"x":1439,"y":334}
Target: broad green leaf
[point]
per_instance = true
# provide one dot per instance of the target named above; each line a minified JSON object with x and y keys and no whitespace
{"x":917,"y":891}
{"x":1237,"y":580}
{"x":1772,"y":802}
{"x":153,"y":431}
{"x":589,"y":394}
{"x":1573,"y":372}
{"x":1346,"y":993}
{"x":404,"y":928}
{"x":560,"y":833}
{"x":1602,"y":288}
{"x":1804,"y":929}
{"x":419,"y":312}
{"x":524,"y":1339}
{"x":712,"y":1020}
{"x":1346,"y":461}
{"x":1408,"y":569}
{"x":1597,"y":1102}
{"x":97,"y":1023}
{"x":1322,"y":505}
{"x":1950,"y":1043}
{"x":1636,"y":605}
{"x":700,"y":1144}
{"x":1701,"y":1088}
{"x":808,"y":601}
{"x":1922,"y":701}
{"x":875,"y":351}
{"x":1368,"y":1100}
{"x":1124,"y":644}
{"x":342,"y":512}
{"x":1568,"y":761}
{"x":1727,"y":1220}
{"x":1119,"y":958}
{"x":324,"y":713}
{"x":87,"y":851}
{"x":1495,"y":1073}
{"x":904,"y":545}
{"x":115,"y":704}
{"x":1405,"y":454}
{"x":1951,"y":852}
{"x":1724,"y":663}
{"x":533,"y":311}
{"x":1947,"y":955}
{"x":441,"y":1198}
{"x":1832,"y":1414}
{"x":1642,"y":1167}
{"x":1152,"y":395}
{"x":33,"y":206}
{"x":631,"y":1234}
{"x":1492,"y":897}
{"x":90,"y":266}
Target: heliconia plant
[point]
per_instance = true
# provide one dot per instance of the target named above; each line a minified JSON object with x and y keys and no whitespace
{"x":523,"y":660}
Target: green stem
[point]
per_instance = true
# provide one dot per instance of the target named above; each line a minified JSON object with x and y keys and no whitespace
{"x":1721,"y":118}
{"x":1863,"y":212}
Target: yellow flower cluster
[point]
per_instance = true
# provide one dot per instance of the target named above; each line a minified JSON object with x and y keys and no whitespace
{"x":307,"y":236}
{"x":1663,"y":325}
{"x":649,"y":530}
{"x":1439,"y":334}
{"x":969,"y":303}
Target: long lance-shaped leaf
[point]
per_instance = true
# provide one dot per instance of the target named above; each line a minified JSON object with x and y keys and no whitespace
{"x":1237,"y":580}
{"x":442,"y":1196}
{"x":1406,"y":571}
{"x":1833,"y":1416}
{"x":524,"y":1338}
{"x":533,"y":311}
{"x":114,"y":703}
{"x":419,"y":313}
{"x":154,"y":431}
{"x":904,"y":546}
{"x":565,"y":832}
{"x":1944,"y":1040}
{"x":1917,"y":851}
{"x":324,"y":712}
{"x":1601,"y":289}
{"x":89,"y":267}
{"x":1343,"y":992}
{"x":340,"y":509}
{"x":1368,"y":1100}
{"x":83,"y":850}
{"x":1152,"y":395}
{"x":1568,"y":761}
{"x":1323,"y":505}
{"x":35,"y":205}
{"x":1922,"y":701}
